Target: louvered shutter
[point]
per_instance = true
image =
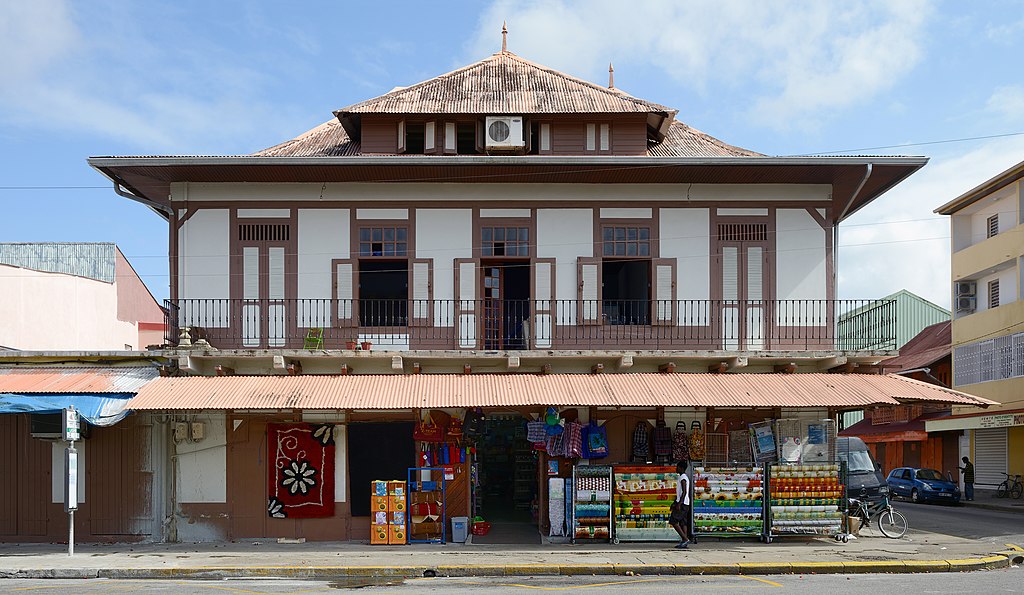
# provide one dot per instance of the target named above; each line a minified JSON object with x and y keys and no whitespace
{"x":989,"y":456}
{"x":430,"y":138}
{"x":276,"y":304}
{"x":421,"y":283}
{"x":544,"y":303}
{"x":401,"y":136}
{"x":467,"y":302}
{"x":451,"y":145}
{"x":730,"y":295}
{"x":755,"y":339}
{"x":251,"y":312}
{"x":588,"y":279}
{"x":345,"y":292}
{"x":664,"y":293}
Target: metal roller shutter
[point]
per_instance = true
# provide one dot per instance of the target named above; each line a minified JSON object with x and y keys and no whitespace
{"x":989,"y":456}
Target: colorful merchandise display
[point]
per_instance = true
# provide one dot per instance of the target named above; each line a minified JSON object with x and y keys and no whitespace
{"x":728,"y":501}
{"x":643,"y":502}
{"x":592,"y":503}
{"x":388,"y":508}
{"x":427,"y":500}
{"x":805,"y":499}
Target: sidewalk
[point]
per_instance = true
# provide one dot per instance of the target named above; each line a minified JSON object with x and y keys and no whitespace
{"x":917,"y":552}
{"x":987,"y":499}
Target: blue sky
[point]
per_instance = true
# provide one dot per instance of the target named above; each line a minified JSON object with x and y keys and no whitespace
{"x":782,"y":78}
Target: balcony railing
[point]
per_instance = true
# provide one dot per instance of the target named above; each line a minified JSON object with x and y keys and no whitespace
{"x":732,"y":325}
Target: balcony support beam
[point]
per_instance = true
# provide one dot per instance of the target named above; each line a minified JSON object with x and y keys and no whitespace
{"x":279,"y":364}
{"x":224,"y":371}
{"x":186,"y":365}
{"x":832,"y":362}
{"x":789,"y":368}
{"x":625,"y":362}
{"x":667,"y":368}
{"x":397,"y":364}
{"x":345,"y":370}
{"x":295,"y":369}
{"x":597,"y":368}
{"x":416,"y":368}
{"x":513,"y":362}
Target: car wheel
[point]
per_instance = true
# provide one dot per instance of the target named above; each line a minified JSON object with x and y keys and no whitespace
{"x":915,"y":496}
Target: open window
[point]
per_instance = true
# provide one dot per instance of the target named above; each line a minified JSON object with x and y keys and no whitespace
{"x":383,"y":292}
{"x":626,"y":291}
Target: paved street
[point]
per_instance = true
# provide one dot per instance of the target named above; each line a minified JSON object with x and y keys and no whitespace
{"x":963,"y":521}
{"x":1000,"y":581}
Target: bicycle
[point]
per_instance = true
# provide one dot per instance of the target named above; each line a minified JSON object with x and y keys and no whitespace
{"x":891,"y":522}
{"x":1011,"y":486}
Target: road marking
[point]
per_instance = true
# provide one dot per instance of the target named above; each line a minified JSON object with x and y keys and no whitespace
{"x":761,"y":580}
{"x":615,"y":583}
{"x":199,"y":583}
{"x":1015,"y":548}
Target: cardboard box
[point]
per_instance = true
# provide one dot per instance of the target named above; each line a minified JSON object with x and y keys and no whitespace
{"x":396,"y":504}
{"x":379,"y":487}
{"x":379,"y":534}
{"x":425,"y":530}
{"x":397,"y":535}
{"x":380,"y":503}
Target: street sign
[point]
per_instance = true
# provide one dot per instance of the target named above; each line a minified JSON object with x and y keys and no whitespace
{"x":70,"y":424}
{"x":70,"y":479}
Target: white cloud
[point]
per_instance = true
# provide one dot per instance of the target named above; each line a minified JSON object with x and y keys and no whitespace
{"x":808,"y":58}
{"x":897,"y":242}
{"x":1007,"y":102}
{"x":33,"y":35}
{"x":1005,"y":33}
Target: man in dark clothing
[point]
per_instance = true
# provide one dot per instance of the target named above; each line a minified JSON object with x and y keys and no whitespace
{"x":968,"y":470}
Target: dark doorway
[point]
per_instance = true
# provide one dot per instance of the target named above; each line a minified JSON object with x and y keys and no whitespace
{"x":383,"y":292}
{"x":377,"y":451}
{"x":627,"y":291}
{"x":507,"y":493}
{"x":507,"y":310}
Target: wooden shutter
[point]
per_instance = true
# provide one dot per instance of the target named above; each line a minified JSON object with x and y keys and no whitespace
{"x":605,"y":137}
{"x":421,"y":293}
{"x":451,"y":145}
{"x":429,"y":138}
{"x":276,"y":304}
{"x":588,"y":279}
{"x":542,"y":333}
{"x":252,"y":314}
{"x":591,"y":141}
{"x":664,"y":291}
{"x":467,"y":302}
{"x":545,"y":138}
{"x":345,"y":304}
{"x":481,"y":147}
{"x":401,"y":136}
{"x":755,"y":294}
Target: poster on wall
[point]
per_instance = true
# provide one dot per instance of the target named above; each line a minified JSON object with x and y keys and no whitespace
{"x":762,"y":441}
{"x":300,"y":478}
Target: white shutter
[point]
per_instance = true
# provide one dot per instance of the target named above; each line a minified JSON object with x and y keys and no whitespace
{"x":664,"y":291}
{"x":989,"y":456}
{"x":588,"y":272}
{"x":466,"y":302}
{"x":730,"y":273}
{"x":755,"y":277}
{"x":421,"y":291}
{"x":755,"y":339}
{"x":401,"y":136}
{"x":276,"y":274}
{"x":251,"y":273}
{"x":605,"y":140}
{"x":591,"y":137}
{"x":450,"y":138}
{"x":344,"y":292}
{"x":275,"y":291}
{"x":429,"y":136}
{"x":545,"y":137}
{"x":544,"y":296}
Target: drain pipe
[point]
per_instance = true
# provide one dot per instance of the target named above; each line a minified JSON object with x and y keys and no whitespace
{"x":162,"y":210}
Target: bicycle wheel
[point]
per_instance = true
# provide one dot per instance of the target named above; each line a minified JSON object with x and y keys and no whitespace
{"x":1017,"y":490}
{"x":1001,"y":489}
{"x":892,"y":523}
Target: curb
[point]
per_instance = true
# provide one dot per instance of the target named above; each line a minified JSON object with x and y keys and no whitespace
{"x":995,"y":561}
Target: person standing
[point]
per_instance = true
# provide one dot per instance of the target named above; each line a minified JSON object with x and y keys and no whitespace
{"x":680,"y":517}
{"x":968,"y":471}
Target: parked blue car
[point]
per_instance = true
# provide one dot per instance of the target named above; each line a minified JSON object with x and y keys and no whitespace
{"x":922,"y":485}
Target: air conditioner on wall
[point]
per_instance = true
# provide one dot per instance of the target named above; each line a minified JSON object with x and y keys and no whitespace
{"x":966,"y":305}
{"x":504,"y":132}
{"x":966,"y":288}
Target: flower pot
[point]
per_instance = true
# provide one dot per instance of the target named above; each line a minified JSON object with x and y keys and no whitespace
{"x":366,"y":345}
{"x":350,"y":345}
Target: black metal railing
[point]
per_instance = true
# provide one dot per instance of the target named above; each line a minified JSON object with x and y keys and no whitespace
{"x":733,"y":325}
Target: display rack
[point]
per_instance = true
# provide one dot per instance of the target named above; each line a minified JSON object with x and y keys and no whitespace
{"x":643,"y":502}
{"x":592,"y":502}
{"x":728,"y":501}
{"x":427,"y":505}
{"x":805,"y":499}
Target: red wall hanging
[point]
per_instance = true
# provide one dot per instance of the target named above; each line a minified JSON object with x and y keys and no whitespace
{"x":300,"y":478}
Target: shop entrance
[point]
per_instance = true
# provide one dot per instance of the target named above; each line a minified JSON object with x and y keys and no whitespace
{"x":505,"y":494}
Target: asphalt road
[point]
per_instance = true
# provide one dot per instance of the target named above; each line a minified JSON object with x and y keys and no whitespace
{"x":996,"y":581}
{"x":964,"y":521}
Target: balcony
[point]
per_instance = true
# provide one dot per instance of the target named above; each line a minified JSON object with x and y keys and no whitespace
{"x":714,"y":325}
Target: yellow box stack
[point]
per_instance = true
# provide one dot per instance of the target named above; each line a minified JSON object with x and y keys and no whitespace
{"x":387,"y":509}
{"x":396,"y":510}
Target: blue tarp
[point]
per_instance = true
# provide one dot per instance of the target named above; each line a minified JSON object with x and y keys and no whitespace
{"x":99,"y":409}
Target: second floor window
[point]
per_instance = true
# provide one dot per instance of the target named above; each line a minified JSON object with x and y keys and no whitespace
{"x":993,"y":293}
{"x":505,"y":241}
{"x":992,"y":226}
{"x":626,"y":241}
{"x":383,"y":241}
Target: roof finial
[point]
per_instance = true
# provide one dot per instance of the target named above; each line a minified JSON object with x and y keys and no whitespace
{"x":611,"y":76}
{"x":504,"y":38}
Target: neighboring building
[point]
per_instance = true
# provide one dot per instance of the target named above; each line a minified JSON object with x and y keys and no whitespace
{"x":987,"y":225}
{"x":504,"y":236}
{"x":63,"y":296}
{"x":896,"y":435}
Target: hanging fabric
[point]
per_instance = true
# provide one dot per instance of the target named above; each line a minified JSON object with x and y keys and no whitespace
{"x":573,"y":440}
{"x":641,"y":442}
{"x":696,"y":441}
{"x":680,"y":443}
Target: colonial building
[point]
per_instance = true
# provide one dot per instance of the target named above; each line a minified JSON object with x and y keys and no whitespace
{"x":988,"y":322}
{"x":505,"y":237}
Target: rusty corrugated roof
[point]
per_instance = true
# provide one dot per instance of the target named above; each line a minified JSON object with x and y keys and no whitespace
{"x":75,"y":380}
{"x":683,"y":141}
{"x":519,"y":390}
{"x":928,"y":347}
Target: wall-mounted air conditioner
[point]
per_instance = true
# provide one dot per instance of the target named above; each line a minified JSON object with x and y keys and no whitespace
{"x":504,"y":133}
{"x":966,"y":288}
{"x":966,"y":305}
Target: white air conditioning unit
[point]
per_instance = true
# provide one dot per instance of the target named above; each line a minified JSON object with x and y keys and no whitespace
{"x":504,"y":133}
{"x":966,"y":288}
{"x":966,"y":305}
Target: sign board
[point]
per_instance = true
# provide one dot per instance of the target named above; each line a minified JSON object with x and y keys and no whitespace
{"x":1004,"y":420}
{"x":70,"y":423}
{"x":70,"y":479}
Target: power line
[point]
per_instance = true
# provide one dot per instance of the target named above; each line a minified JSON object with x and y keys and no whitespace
{"x":920,"y":144}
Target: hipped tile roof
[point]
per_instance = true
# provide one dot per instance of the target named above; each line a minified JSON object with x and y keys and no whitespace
{"x":523,"y":390}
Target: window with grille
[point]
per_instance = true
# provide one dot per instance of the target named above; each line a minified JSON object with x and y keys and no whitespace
{"x":264,"y":232}
{"x":993,"y":293}
{"x":626,"y":241}
{"x":742,"y":232}
{"x":992,"y":226}
{"x":505,"y":241}
{"x":383,"y":241}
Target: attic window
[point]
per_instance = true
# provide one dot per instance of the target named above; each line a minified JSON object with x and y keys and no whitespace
{"x":466,"y":138}
{"x":414,"y":138}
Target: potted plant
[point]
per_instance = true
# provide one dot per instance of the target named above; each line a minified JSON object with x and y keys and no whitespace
{"x":351,"y":344}
{"x":366,"y":345}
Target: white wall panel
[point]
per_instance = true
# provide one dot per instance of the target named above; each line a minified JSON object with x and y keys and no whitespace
{"x":382,"y":213}
{"x":264,"y":213}
{"x":613,"y":213}
{"x":800,"y":256}
{"x":444,"y":235}
{"x":323,"y":235}
{"x":509,"y":213}
{"x":565,"y":235}
{"x":203,"y":255}
{"x":202,"y":466}
{"x":685,"y":235}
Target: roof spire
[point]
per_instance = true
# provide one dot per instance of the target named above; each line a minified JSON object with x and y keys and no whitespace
{"x":611,"y":76}
{"x":504,"y":38}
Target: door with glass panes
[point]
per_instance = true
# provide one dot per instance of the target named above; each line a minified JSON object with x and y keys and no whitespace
{"x":743,"y":254}
{"x":265,"y":251}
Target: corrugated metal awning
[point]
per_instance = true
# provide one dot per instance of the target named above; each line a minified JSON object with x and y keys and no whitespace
{"x":848,"y":391}
{"x":75,"y":380}
{"x":104,"y":409}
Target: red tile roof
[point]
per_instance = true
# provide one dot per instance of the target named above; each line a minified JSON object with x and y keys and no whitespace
{"x":853,"y":391}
